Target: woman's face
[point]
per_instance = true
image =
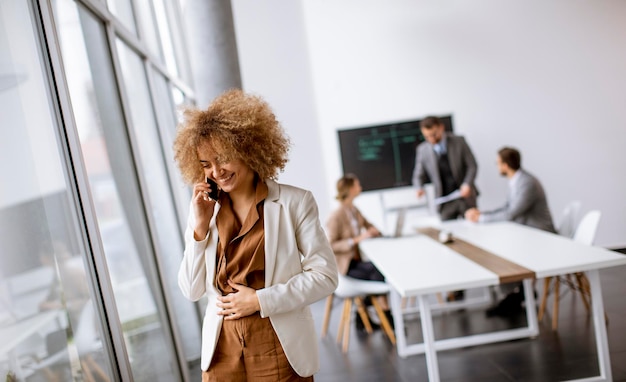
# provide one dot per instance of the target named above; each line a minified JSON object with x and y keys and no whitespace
{"x":229,"y":175}
{"x":356,"y":189}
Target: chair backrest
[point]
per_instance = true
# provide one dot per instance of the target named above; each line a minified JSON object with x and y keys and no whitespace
{"x":586,"y":230}
{"x":351,"y":287}
{"x":567,"y":223}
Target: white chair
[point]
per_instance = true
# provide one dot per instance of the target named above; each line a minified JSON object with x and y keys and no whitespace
{"x":354,"y":290}
{"x":585,"y":233}
{"x":567,"y":223}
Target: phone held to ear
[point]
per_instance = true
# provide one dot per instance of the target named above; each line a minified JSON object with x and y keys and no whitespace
{"x":214,"y":194}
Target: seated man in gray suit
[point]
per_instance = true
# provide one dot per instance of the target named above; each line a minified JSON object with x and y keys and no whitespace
{"x":526,"y":204}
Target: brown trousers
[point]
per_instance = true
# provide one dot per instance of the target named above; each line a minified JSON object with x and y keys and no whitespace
{"x":248,"y":349}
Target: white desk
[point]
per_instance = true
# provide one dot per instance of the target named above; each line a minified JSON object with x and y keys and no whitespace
{"x":419,"y":266}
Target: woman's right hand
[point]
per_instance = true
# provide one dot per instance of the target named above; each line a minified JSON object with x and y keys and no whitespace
{"x":366,"y":234}
{"x":203,"y":209}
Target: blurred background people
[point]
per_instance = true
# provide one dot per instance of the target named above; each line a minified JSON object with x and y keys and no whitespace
{"x":346,"y":227}
{"x":446,"y":161}
{"x":526,"y":204}
{"x":526,"y":201}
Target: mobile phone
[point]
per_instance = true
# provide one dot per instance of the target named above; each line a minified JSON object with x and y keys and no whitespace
{"x":215,"y":192}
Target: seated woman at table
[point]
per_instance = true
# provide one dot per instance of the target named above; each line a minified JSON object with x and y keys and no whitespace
{"x":345,"y":228}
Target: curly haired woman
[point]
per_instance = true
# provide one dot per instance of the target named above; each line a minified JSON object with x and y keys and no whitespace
{"x":258,"y":252}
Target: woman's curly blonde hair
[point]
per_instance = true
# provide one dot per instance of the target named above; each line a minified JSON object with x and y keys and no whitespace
{"x":237,"y":126}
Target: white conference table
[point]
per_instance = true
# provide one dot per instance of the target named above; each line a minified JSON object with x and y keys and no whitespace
{"x":420,"y":266}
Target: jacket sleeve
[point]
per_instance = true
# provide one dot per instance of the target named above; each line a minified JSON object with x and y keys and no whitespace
{"x":192,"y":272}
{"x":524,"y":200}
{"x":318,"y":275}
{"x":470,"y":163}
{"x":420,"y":177}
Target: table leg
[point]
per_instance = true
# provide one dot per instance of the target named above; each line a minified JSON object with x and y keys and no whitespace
{"x":531,"y":314}
{"x":602,"y":344}
{"x":597,"y":306}
{"x":429,"y":338}
{"x":398,"y":320}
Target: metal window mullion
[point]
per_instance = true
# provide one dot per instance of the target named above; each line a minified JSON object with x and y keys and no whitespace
{"x":99,"y":277}
{"x":152,"y":263}
{"x":184,"y":87}
{"x":153,"y":227}
{"x":181,"y":212}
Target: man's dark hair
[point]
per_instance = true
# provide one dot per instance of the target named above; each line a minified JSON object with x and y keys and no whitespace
{"x":430,"y":122}
{"x":511,"y":157}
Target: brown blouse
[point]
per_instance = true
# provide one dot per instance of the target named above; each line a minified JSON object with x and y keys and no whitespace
{"x":241,"y":247}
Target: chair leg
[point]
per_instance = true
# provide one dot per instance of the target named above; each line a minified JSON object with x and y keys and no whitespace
{"x":409,"y":302}
{"x":569,"y":278}
{"x":586,"y":283}
{"x":384,"y":322}
{"x":88,"y":377}
{"x":327,"y":310}
{"x":50,"y":375}
{"x":555,"y":313}
{"x":587,"y":289}
{"x":363,"y":314}
{"x":98,"y":369}
{"x":345,"y":316}
{"x":544,"y":297}
{"x":346,"y":328}
{"x":581,"y":288}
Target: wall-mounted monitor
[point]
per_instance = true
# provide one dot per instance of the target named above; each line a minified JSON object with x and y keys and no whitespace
{"x":382,"y":156}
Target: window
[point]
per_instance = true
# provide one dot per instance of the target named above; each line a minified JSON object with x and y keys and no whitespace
{"x":46,"y":304}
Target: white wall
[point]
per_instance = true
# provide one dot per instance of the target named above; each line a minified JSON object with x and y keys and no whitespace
{"x":274,"y":62}
{"x":546,"y":77}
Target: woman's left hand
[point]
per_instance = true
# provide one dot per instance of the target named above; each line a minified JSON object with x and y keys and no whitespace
{"x":243,"y":302}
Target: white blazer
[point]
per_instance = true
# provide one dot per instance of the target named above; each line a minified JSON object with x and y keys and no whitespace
{"x":300,"y":269}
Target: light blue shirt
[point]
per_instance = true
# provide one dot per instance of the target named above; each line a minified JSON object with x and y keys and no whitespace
{"x":441,"y":147}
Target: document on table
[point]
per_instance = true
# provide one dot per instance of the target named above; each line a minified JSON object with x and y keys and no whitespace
{"x":456,"y":194}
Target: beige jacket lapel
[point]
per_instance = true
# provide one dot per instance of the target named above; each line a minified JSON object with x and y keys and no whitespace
{"x":271,"y":211}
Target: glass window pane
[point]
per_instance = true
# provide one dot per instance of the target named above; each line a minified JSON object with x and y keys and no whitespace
{"x":48,"y":327}
{"x":166,"y":36}
{"x":159,"y":193}
{"x":123,"y":11}
{"x":149,"y":31}
{"x":118,"y":205}
{"x":168,"y":119}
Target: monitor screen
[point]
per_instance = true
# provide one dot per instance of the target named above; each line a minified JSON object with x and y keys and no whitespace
{"x":382,"y":156}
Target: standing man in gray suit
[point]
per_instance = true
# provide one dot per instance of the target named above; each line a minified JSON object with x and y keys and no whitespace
{"x":526,"y":204}
{"x":446,"y":161}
